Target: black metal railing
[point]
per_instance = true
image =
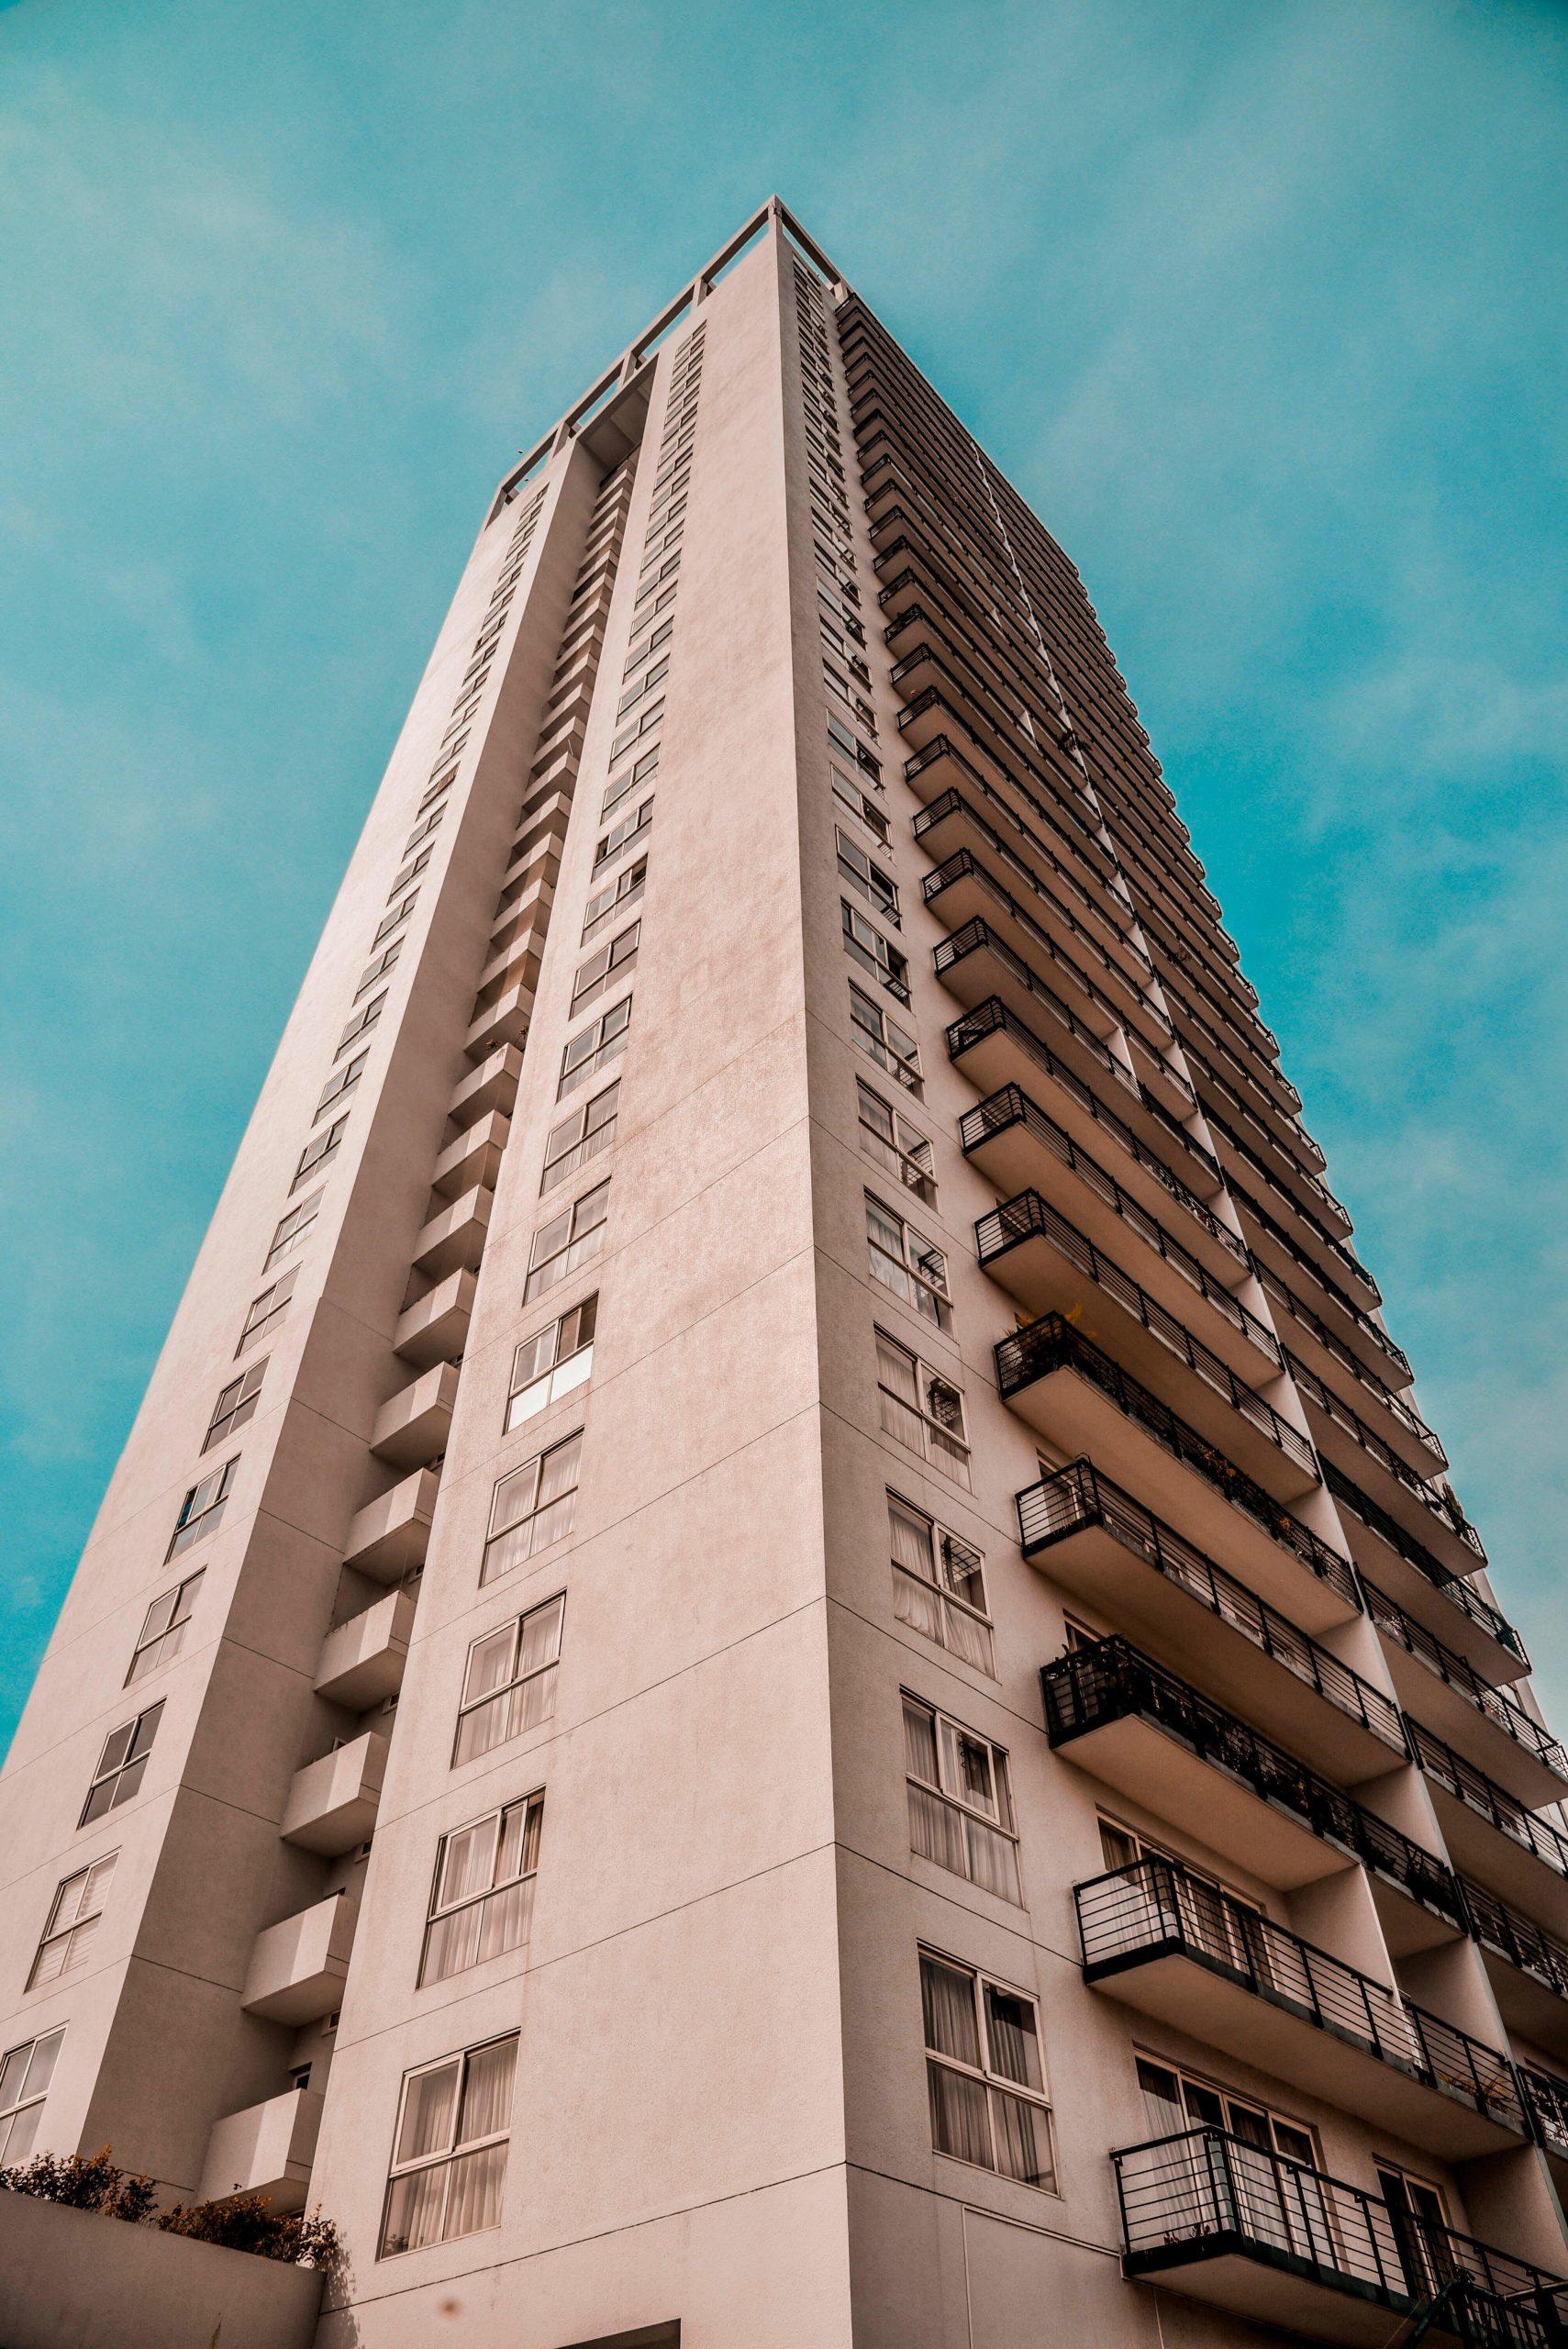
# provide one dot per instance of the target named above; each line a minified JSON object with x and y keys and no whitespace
{"x":1030,"y":1216}
{"x":976,"y":937}
{"x":964,"y":866}
{"x":1206,"y":2194}
{"x":1462,"y":1677}
{"x":1431,"y":1494}
{"x":1546,"y":2102}
{"x":1155,"y":1908}
{"x":1053,"y":1344}
{"x":1488,"y":1800}
{"x":952,"y":803}
{"x":1112,"y":1680}
{"x":1404,"y":1544}
{"x":1518,"y":1938}
{"x":1079,"y":1496}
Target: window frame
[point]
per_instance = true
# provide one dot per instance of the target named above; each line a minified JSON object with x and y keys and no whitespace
{"x":95,"y":1878}
{"x":883,"y":961}
{"x":992,"y":2079}
{"x":998,"y":1822}
{"x":18,"y":2065}
{"x":256,"y":1323}
{"x":593,"y":1046}
{"x":452,"y":2151}
{"x":951,"y":1454}
{"x":870,"y":1032}
{"x":520,"y":1677}
{"x":978,"y":1648}
{"x":923,"y":1266}
{"x":292,"y":1229}
{"x":123,"y":1774}
{"x":246,"y":1390}
{"x":152,"y":1643}
{"x":534,"y":1469}
{"x":562,"y":1258}
{"x":194,"y":1525}
{"x":588,"y":1141}
{"x":586,"y":991}
{"x":440,"y":1913}
{"x":578,"y":1359}
{"x":892,"y":1151}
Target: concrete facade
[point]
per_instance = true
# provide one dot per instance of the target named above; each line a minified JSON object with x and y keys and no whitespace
{"x":838,"y":1698}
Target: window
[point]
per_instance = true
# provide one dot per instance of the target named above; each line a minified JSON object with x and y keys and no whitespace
{"x":660,"y":636}
{"x":372,"y":1012}
{"x":644,"y":685}
{"x":985,"y":2075}
{"x":234,"y":1405}
{"x":1174,"y":2102}
{"x":73,"y":1918}
{"x":624,"y":890}
{"x":920,"y":1409}
{"x":888,"y":1044}
{"x":869,"y":879}
{"x":163,"y":1632}
{"x":122,"y":1765}
{"x":412,"y":871}
{"x":601,"y":1040}
{"x":872,"y":950}
{"x":532,"y":1508}
{"x":638,"y":819}
{"x":894,"y":1144}
{"x":318,"y":1151}
{"x":580,"y":1137}
{"x":1420,"y":2229}
{"x":907,"y":1265}
{"x":616,"y":957}
{"x":938,"y":1585}
{"x":344,"y":1081}
{"x":567,"y":1242}
{"x":398,"y":915}
{"x":448,"y":2161}
{"x":853,"y":801}
{"x":961,"y":1807}
{"x":483,"y":1896}
{"x":267,"y":1309}
{"x":24,"y":2075}
{"x":636,"y":730}
{"x":628,"y":779}
{"x":202,"y":1511}
{"x":549,"y":1364}
{"x":509,"y":1685}
{"x":291,"y":1232}
{"x":379,"y":968}
{"x":865,"y":759}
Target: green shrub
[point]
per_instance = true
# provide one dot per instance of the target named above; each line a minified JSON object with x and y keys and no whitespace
{"x":243,"y":2223}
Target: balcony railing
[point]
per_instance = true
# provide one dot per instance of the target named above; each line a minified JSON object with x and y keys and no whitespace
{"x":1431,"y":1496}
{"x":1052,"y":1343}
{"x":1156,"y":1908}
{"x":975,"y":937}
{"x":1206,"y":2195}
{"x":1030,"y":1216}
{"x":1309,"y":1265}
{"x":1078,"y":1495}
{"x":961,"y":866}
{"x":1488,"y":1800}
{"x":1525,"y":1945}
{"x":1093,"y":1687}
{"x":1496,"y":1703}
{"x":1546,"y":2102}
{"x":1431,"y":1569}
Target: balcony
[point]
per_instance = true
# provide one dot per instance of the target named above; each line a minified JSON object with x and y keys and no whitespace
{"x":434,"y":1327}
{"x":332,"y":1803}
{"x":976,"y":964}
{"x":1229,"y":2223}
{"x":362,"y":1659}
{"x":454,"y":1239}
{"x":1117,"y":1713}
{"x":1423,"y":1584}
{"x":944,"y":780}
{"x":1441,"y":1687}
{"x":267,"y":2149}
{"x":1081,"y":1400}
{"x":299,"y":1966}
{"x":962,"y":890}
{"x":1167,"y":1943}
{"x":1397,"y":1487}
{"x":995,"y":1050}
{"x":411,"y":1427}
{"x":1527,"y":1965}
{"x":1100,"y":1544}
{"x":474,"y":1157}
{"x":389,"y":1535}
{"x":492,"y":1086}
{"x":1056,"y":1270}
{"x":1516,"y":1851}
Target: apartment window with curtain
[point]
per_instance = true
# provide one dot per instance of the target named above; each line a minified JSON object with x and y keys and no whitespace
{"x":889,"y":1046}
{"x":163,"y":1632}
{"x":877,"y":887}
{"x":921,"y":1409}
{"x":267,"y":1310}
{"x":1173,"y":2102}
{"x":552,"y":1362}
{"x":201,"y":1512}
{"x":614,"y":897}
{"x":607,"y":962}
{"x":509,"y":1684}
{"x":234,"y":1405}
{"x":24,"y":2074}
{"x":889,"y":1140}
{"x":938,"y":1585}
{"x":448,"y":2160}
{"x":580,"y":1137}
{"x":483,"y":1897}
{"x":75,"y":1916}
{"x":603,"y":1040}
{"x":871,"y":951}
{"x":532,"y":1507}
{"x":567,"y":1242}
{"x":122,"y":1765}
{"x":961,"y":1804}
{"x":294,"y":1228}
{"x":985,"y":2073}
{"x":910,"y":1267}
{"x":318,"y":1151}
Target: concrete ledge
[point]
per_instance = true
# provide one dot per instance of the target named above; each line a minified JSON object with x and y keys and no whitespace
{"x":74,"y":2281}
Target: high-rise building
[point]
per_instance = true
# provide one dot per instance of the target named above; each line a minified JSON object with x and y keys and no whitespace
{"x":778,"y":1661}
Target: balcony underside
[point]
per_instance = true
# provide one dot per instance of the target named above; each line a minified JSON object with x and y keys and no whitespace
{"x":1222,"y":2010}
{"x":1045,"y":1280}
{"x":1444,"y":1617}
{"x":1075,"y":1417}
{"x":1449,"y":1713}
{"x":1134,"y":1597}
{"x":1274,"y":2286}
{"x":1532,"y":2009}
{"x":1483,"y":1850}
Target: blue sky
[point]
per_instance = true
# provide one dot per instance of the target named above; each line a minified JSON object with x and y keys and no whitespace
{"x":1260,"y":305}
